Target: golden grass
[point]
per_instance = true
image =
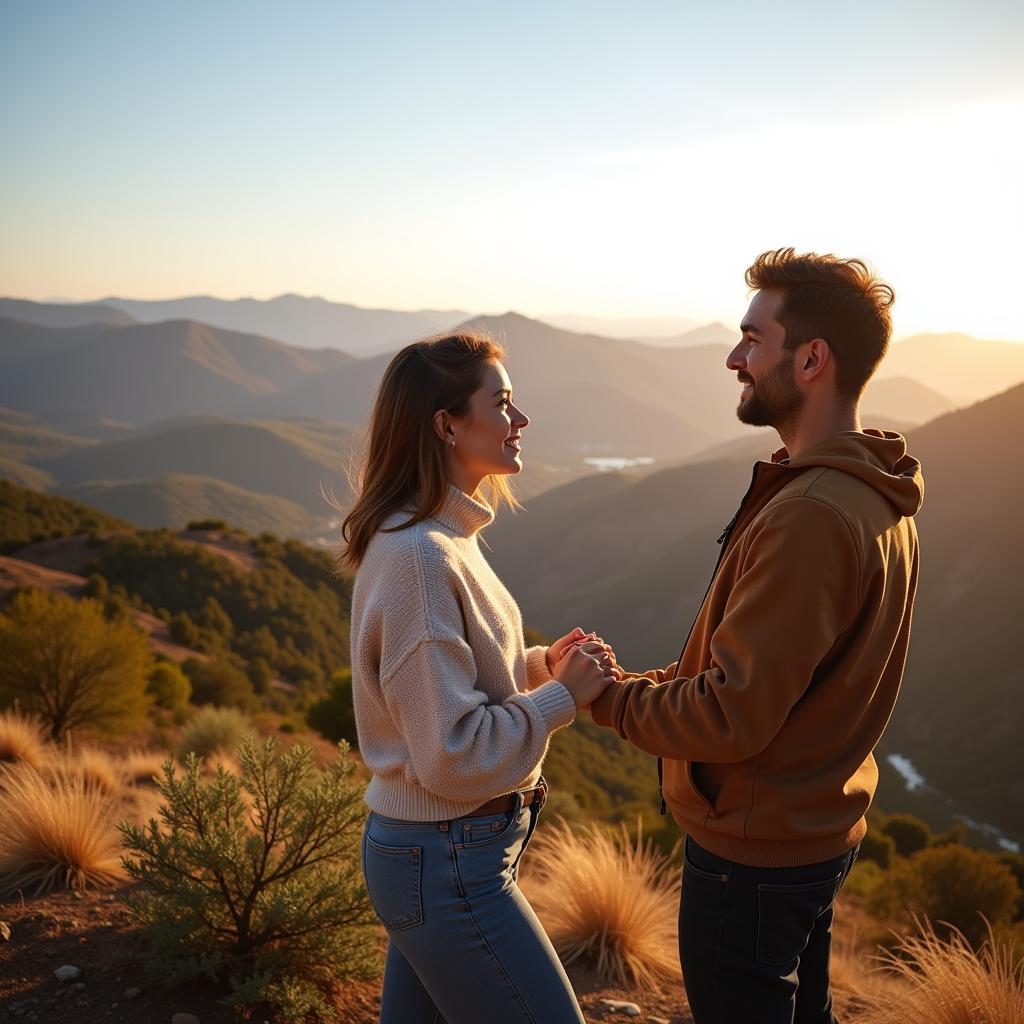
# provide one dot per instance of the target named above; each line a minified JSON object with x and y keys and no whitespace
{"x":22,"y":739}
{"x":946,"y":982}
{"x":143,"y":767}
{"x":94,"y":766}
{"x":608,"y":901}
{"x":58,"y":832}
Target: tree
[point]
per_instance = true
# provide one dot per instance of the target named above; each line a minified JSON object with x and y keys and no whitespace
{"x":333,"y":715}
{"x":910,"y":834}
{"x":256,"y":880}
{"x":219,"y":682}
{"x":169,"y":686}
{"x":63,"y":661}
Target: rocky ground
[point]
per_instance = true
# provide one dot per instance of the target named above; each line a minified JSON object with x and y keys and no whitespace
{"x":94,"y":933}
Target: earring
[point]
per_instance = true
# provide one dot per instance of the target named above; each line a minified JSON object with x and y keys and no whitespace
{"x":451,"y":443}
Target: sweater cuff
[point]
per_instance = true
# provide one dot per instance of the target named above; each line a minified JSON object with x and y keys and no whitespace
{"x":555,"y":704}
{"x":536,"y":667}
{"x":602,"y":708}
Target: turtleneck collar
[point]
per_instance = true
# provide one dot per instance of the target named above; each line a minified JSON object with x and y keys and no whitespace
{"x":462,"y":514}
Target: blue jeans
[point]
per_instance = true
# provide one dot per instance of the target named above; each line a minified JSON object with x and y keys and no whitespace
{"x":463,"y":943}
{"x":754,"y":943}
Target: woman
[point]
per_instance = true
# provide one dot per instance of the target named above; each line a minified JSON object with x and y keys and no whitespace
{"x":453,"y":714}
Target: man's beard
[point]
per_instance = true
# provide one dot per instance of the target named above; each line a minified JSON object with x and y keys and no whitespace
{"x":775,"y":400}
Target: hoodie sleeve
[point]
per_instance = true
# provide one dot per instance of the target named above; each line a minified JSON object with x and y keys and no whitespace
{"x":797,"y":593}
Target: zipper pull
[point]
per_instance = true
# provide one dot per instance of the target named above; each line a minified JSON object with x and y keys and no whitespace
{"x":728,"y":529}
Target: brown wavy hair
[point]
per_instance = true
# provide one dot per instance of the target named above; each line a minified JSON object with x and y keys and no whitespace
{"x":406,"y":463}
{"x":842,"y":301}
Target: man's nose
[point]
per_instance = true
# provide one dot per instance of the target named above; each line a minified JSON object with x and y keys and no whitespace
{"x":736,"y":360}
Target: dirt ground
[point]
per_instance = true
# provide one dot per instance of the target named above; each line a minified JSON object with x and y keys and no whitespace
{"x":94,"y":932}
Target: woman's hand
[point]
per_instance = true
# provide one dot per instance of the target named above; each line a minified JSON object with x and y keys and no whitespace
{"x":604,"y":653}
{"x":557,"y":650}
{"x":585,"y":676}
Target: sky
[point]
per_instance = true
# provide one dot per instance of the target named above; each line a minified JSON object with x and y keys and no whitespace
{"x":611,"y":159}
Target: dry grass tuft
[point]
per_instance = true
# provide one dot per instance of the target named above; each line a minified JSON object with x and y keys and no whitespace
{"x":95,"y":767}
{"x":23,"y":739}
{"x":143,"y":767}
{"x":946,"y":982}
{"x":58,"y":832}
{"x":607,"y":900}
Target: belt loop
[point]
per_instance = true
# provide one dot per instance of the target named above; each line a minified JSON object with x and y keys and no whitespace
{"x":443,"y":826}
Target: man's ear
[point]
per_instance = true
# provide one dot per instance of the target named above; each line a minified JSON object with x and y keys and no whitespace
{"x":815,"y":355}
{"x":441,"y":425}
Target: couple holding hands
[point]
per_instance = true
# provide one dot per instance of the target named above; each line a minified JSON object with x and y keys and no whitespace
{"x":764,"y":726}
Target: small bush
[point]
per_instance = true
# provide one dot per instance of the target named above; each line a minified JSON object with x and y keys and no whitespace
{"x":879,"y":848}
{"x":212,"y":730}
{"x":266,"y":895}
{"x":946,"y":982}
{"x":95,"y":767}
{"x":169,"y":686}
{"x":607,"y":900}
{"x":864,"y":879}
{"x":58,"y":832}
{"x":22,"y":738}
{"x":333,"y":716}
{"x":219,"y":682}
{"x":951,"y":886}
{"x":910,"y":834}
{"x":207,"y":524}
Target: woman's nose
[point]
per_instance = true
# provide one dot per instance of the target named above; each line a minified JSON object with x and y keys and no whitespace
{"x":519,"y":418}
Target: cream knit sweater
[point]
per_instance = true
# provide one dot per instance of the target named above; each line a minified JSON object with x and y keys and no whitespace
{"x":451,"y":709}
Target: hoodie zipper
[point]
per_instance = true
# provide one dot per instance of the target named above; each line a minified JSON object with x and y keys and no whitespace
{"x":723,"y":541}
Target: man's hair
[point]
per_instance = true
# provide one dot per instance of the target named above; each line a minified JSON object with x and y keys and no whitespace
{"x":842,"y":301}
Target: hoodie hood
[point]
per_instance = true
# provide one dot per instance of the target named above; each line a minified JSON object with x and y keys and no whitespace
{"x":878,"y":457}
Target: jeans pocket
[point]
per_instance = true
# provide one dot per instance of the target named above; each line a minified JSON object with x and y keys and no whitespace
{"x":786,"y":915}
{"x":393,"y":875}
{"x":474,"y":831}
{"x":699,"y":872}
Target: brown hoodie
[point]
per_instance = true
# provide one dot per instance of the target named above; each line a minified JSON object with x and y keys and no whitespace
{"x":767,"y":722}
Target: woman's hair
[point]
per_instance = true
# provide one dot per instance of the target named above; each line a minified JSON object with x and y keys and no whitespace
{"x":406,"y":463}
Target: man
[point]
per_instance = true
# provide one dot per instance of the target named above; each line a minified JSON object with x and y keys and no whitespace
{"x":767,"y":721}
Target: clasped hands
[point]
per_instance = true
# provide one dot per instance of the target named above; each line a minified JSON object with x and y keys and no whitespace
{"x":584,"y":664}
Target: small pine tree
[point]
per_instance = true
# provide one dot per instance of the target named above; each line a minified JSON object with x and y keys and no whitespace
{"x":63,"y":661}
{"x":263,"y":892}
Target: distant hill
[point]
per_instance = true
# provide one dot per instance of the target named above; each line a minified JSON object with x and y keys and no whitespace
{"x":308,"y":322}
{"x":709,"y":334}
{"x":957,"y":366}
{"x":287,"y":459}
{"x":902,"y":399}
{"x":54,"y":314}
{"x":632,"y":558}
{"x":960,"y":719}
{"x":175,"y":499}
{"x":625,"y":328}
{"x":146,"y":372}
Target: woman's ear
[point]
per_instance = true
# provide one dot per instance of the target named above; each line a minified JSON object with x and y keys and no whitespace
{"x":442,"y":427}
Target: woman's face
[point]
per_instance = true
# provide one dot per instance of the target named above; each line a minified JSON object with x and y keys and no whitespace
{"x":487,"y":438}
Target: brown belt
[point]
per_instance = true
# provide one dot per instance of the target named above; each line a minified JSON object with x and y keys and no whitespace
{"x":508,"y":801}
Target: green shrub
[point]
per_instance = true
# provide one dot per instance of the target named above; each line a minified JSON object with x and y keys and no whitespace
{"x":219,"y":682}
{"x":264,"y":893}
{"x":1015,"y":862}
{"x":169,"y":687}
{"x":910,"y":834}
{"x":207,"y":524}
{"x":333,"y":715}
{"x":213,"y":729}
{"x":952,"y":886}
{"x":879,"y":848}
{"x":865,"y":877}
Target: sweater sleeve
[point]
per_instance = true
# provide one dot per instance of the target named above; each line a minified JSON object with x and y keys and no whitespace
{"x":536,"y":667}
{"x":458,"y":743}
{"x":798,"y":591}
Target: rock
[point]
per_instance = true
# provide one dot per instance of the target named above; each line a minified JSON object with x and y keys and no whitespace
{"x":67,"y":973}
{"x":658,"y":1020}
{"x":5,"y":932}
{"x":132,"y":993}
{"x":79,"y":986}
{"x":184,"y":1018}
{"x":620,"y":1006}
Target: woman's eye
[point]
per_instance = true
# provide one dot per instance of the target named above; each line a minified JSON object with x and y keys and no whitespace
{"x":504,"y":402}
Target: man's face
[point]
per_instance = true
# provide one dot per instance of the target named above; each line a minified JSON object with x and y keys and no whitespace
{"x":770,"y":396}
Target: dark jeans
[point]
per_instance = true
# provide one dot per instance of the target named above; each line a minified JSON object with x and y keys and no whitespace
{"x":754,"y":943}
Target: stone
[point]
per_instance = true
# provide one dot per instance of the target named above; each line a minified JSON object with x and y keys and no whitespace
{"x":184,"y":1018}
{"x":658,"y":1020}
{"x":5,"y":932}
{"x":621,"y":1006}
{"x":132,"y":993}
{"x":79,"y":986}
{"x":67,"y":973}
